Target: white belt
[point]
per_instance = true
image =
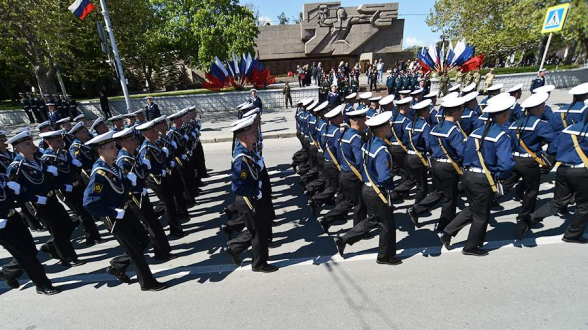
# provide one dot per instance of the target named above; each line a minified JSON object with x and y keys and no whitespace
{"x":369,"y":184}
{"x":475,"y":170}
{"x":442,"y":160}
{"x":412,"y":152}
{"x":395,"y":143}
{"x":573,"y":165}
{"x":522,"y":155}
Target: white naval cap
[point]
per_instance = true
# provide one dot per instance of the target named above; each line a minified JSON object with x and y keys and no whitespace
{"x":405,"y":100}
{"x":405,"y":92}
{"x":159,"y":120}
{"x":456,"y":101}
{"x":139,"y":112}
{"x":242,"y":105}
{"x":176,"y":115}
{"x":312,"y":105}
{"x":80,"y":117}
{"x":20,"y":137}
{"x":417,"y":91}
{"x":145,"y":126}
{"x":49,"y":103}
{"x":424,"y":104}
{"x":454,"y":88}
{"x":76,"y":128}
{"x":515,"y":88}
{"x":148,"y":97}
{"x":115,"y":118}
{"x":387,"y":99}
{"x":379,"y":119}
{"x":366,"y":95}
{"x":450,"y":96}
{"x":579,"y":90}
{"x":321,"y":107}
{"x":500,"y":104}
{"x":535,"y":100}
{"x":468,"y":97}
{"x":497,"y":97}
{"x":97,"y":122}
{"x":375,"y":99}
{"x":243,"y":125}
{"x":52,"y":134}
{"x":124,"y":133}
{"x":63,"y":120}
{"x":101,"y":139}
{"x":337,"y":111}
{"x":43,"y":125}
{"x":431,"y":95}
{"x":495,"y":87}
{"x":469,"y":88}
{"x":192,"y":108}
{"x":351,"y":96}
{"x":357,"y":113}
{"x":307,"y":101}
{"x":252,"y":112}
{"x":544,"y":89}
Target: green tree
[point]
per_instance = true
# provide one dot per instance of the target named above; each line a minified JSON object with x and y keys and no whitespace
{"x":283,"y":19}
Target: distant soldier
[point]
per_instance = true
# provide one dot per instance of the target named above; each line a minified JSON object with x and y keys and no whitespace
{"x":539,"y":81}
{"x":459,"y":77}
{"x":26,"y":106}
{"x":477,"y":76}
{"x":104,"y":105}
{"x":468,"y":78}
{"x":489,"y":79}
{"x":152,"y":109}
{"x":72,"y":106}
{"x":443,"y":83}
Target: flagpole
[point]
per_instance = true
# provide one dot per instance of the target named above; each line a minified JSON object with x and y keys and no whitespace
{"x":545,"y":52}
{"x":121,"y":74}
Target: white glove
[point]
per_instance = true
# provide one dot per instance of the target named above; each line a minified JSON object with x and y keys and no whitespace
{"x":172,"y":164}
{"x":147,"y":163}
{"x":76,"y":163}
{"x":259,"y":184}
{"x":52,"y":169}
{"x":259,"y":195}
{"x":133,"y":178}
{"x":144,"y":192}
{"x":68,"y":188}
{"x":120,"y":213}
{"x":41,"y":200}
{"x":3,"y":223}
{"x":174,"y":144}
{"x":14,"y":186}
{"x":163,"y":173}
{"x":193,"y":134}
{"x":184,"y":157}
{"x":166,"y":150}
{"x":186,"y":137}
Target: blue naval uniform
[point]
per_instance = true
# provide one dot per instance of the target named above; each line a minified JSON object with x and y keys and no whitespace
{"x":451,"y":137}
{"x":156,"y":157}
{"x":66,"y":172}
{"x":84,"y":154}
{"x":567,"y":115}
{"x":434,"y":117}
{"x":350,"y":150}
{"x":537,"y":82}
{"x":516,"y":112}
{"x":348,"y":108}
{"x":320,"y":130}
{"x":297,"y":117}
{"x":53,"y":117}
{"x":378,"y":164}
{"x":534,"y":132}
{"x":244,"y":173}
{"x":332,"y":141}
{"x":496,"y":151}
{"x":333,"y":99}
{"x":566,"y":152}
{"x":398,"y":123}
{"x":420,"y":135}
{"x":468,"y":121}
{"x":127,"y":163}
{"x":371,"y":112}
{"x":106,"y":190}
{"x":5,"y":160}
{"x":311,"y":124}
{"x":31,"y":177}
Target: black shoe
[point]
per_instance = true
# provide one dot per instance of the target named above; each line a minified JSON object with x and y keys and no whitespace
{"x":313,"y":206}
{"x":77,"y":262}
{"x":389,"y":261}
{"x":179,"y":234}
{"x":445,"y":239}
{"x":325,"y":225}
{"x":580,"y":240}
{"x":93,"y":240}
{"x":228,"y":231}
{"x":273,"y":245}
{"x":267,"y":268}
{"x":168,"y":257}
{"x":121,"y":277}
{"x":227,"y":213}
{"x":234,"y":257}
{"x":340,"y":245}
{"x":369,"y":235}
{"x":10,"y":281}
{"x":477,"y":252}
{"x":522,"y":228}
{"x":413,"y":216}
{"x":48,"y":290}
{"x":45,"y":249}
{"x":158,"y":286}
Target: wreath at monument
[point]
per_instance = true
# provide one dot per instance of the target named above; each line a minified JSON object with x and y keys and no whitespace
{"x":237,"y":72}
{"x":461,"y":57}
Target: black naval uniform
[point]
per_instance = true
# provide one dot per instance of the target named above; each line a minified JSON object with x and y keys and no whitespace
{"x":26,"y":106}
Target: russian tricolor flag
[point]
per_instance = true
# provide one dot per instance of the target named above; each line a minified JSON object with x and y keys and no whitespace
{"x":81,"y":8}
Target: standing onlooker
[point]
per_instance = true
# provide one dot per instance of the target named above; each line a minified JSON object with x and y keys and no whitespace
{"x":26,"y":106}
{"x":373,"y":78}
{"x":489,"y":80}
{"x":313,"y":74}
{"x":477,"y":76}
{"x":307,"y":73}
{"x":539,"y":80}
{"x":380,"y":68}
{"x":300,"y":73}
{"x":287,"y":96}
{"x":368,"y":73}
{"x":104,"y":105}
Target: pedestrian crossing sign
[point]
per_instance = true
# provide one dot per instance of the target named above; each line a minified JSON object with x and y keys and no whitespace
{"x":555,"y":18}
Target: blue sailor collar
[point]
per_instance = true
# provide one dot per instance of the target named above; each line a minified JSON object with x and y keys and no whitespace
{"x":530,"y":123}
{"x":494,"y":134}
{"x":576,"y":107}
{"x":576,"y":129}
{"x":444,"y":130}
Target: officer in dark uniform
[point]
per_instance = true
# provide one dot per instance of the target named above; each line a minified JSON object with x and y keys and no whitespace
{"x":334,"y":97}
{"x":17,"y":240}
{"x":69,"y":182}
{"x":255,"y":100}
{"x":539,"y":80}
{"x":34,"y":105}
{"x":107,"y":197}
{"x":62,"y":105}
{"x":350,"y":179}
{"x":72,"y":107}
{"x":376,"y":170}
{"x":38,"y":182}
{"x":487,"y":159}
{"x":53,"y":115}
{"x":26,"y":106}
{"x":140,"y":205}
{"x":155,"y":159}
{"x":152,"y":109}
{"x":246,"y":187}
{"x":177,"y":135}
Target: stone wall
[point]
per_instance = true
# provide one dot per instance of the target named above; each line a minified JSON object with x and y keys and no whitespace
{"x":272,"y":99}
{"x":561,"y":79}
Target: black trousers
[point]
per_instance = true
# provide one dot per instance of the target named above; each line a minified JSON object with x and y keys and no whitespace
{"x":74,"y":200}
{"x":480,"y":196}
{"x":398,"y":160}
{"x":30,"y":115}
{"x":147,"y":216}
{"x":39,"y":116}
{"x":177,"y":180}
{"x":446,"y":180}
{"x":351,"y":190}
{"x":313,"y":156}
{"x":200,"y":162}
{"x":60,"y":226}
{"x":17,"y":240}
{"x":529,"y":170}
{"x":569,"y":181}
{"x":287,"y":98}
{"x":31,"y":220}
{"x":132,"y":237}
{"x":418,"y":171}
{"x":189,"y":178}
{"x":330,"y":174}
{"x":256,"y":234}
{"x":165,"y":192}
{"x":381,"y":215}
{"x":265,"y":205}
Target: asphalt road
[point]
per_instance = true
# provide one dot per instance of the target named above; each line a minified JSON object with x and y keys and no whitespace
{"x":537,"y":283}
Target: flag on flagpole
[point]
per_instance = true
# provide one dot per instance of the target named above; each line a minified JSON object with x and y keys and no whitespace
{"x":81,"y":8}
